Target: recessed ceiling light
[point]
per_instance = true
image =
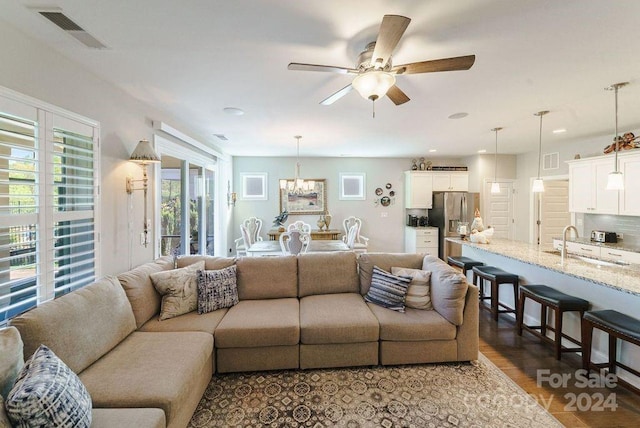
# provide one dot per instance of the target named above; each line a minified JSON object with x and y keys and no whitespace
{"x":233,"y":111}
{"x":459,"y":115}
{"x":559,"y":131}
{"x":482,"y":151}
{"x":432,"y":150}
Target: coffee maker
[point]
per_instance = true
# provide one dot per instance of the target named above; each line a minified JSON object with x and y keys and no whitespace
{"x":423,"y":221}
{"x":412,"y":220}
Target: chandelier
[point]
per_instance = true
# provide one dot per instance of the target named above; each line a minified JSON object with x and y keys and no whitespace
{"x":297,"y":186}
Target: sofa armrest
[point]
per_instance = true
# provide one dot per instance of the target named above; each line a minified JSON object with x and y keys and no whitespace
{"x":468,"y":332}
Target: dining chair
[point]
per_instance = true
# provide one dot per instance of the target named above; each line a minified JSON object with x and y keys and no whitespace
{"x":294,"y":242}
{"x":252,"y":225}
{"x":299,"y":225}
{"x":361,"y":242}
{"x":351,"y":237}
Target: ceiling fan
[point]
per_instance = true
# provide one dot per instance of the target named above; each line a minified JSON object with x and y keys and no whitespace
{"x":375,"y":74}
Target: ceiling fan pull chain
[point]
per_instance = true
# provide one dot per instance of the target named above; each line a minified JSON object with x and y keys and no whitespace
{"x":373,"y":108}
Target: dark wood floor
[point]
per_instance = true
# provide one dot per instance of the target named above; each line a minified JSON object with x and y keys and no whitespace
{"x":522,"y":358}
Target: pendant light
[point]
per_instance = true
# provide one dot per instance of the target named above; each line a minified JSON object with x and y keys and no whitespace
{"x":495,"y":186}
{"x":615,"y":179}
{"x":538,"y":185}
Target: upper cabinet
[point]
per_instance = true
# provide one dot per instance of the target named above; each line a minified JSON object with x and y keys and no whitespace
{"x":445,"y":181}
{"x":588,"y":185}
{"x":630,"y":168}
{"x":418,"y":189}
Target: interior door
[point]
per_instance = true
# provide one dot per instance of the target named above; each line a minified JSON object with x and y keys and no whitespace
{"x":553,"y":212}
{"x":500,"y":210}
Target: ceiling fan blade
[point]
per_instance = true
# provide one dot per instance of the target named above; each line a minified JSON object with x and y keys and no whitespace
{"x":396,"y":95}
{"x":391,"y":30}
{"x":444,"y":64}
{"x":316,"y":67}
{"x":337,"y":95}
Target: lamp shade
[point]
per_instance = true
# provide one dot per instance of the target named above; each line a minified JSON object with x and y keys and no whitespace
{"x":615,"y":181}
{"x":372,"y":85}
{"x":144,"y":153}
{"x":538,"y":186}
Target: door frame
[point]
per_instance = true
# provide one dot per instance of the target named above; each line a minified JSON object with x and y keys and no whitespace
{"x":532,"y":204}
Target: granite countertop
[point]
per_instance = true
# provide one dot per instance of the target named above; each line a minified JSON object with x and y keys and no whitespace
{"x":620,"y":245}
{"x":624,"y":278}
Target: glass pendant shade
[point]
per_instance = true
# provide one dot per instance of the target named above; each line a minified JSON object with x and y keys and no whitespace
{"x":615,"y":181}
{"x":538,"y":186}
{"x":372,"y":85}
{"x":495,"y":187}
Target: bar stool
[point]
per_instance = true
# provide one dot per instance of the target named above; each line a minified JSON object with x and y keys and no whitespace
{"x":618,"y":326}
{"x":464,"y":263}
{"x":495,"y":276}
{"x":560,"y":303}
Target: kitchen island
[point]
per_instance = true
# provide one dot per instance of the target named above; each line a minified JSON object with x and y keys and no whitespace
{"x":605,"y":287}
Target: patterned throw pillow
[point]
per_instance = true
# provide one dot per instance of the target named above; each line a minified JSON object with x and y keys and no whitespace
{"x":419,"y":293}
{"x":387,"y":290}
{"x":47,"y":393}
{"x":217,"y":289}
{"x":179,"y":290}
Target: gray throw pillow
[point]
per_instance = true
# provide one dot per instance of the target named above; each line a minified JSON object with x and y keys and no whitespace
{"x":217,"y":289}
{"x":387,"y":290}
{"x":179,"y":290}
{"x":48,"y":394}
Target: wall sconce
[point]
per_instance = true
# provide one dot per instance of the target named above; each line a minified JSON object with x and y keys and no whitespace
{"x":231,"y":196}
{"x":143,"y":154}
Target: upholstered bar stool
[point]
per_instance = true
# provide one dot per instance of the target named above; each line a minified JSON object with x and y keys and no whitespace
{"x":560,"y":303}
{"x":618,"y":326}
{"x":464,"y":263}
{"x":495,"y":276}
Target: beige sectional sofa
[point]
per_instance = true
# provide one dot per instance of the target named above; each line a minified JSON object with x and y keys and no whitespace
{"x":293,"y":312}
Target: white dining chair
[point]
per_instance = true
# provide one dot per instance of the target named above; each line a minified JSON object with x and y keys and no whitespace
{"x":294,"y":242}
{"x":361,"y":242}
{"x":252,"y":225}
{"x":299,"y":225}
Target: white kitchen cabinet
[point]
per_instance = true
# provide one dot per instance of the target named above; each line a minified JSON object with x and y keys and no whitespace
{"x":445,"y":181}
{"x":588,"y":186}
{"x":619,"y":255}
{"x":583,"y":249}
{"x":599,"y":252}
{"x":418,"y":186}
{"x":629,"y":200}
{"x":421,"y":240}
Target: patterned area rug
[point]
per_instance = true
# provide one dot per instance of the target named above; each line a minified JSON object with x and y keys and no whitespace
{"x":473,"y":394}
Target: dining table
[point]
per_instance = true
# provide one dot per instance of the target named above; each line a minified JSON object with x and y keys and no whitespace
{"x":272,"y":248}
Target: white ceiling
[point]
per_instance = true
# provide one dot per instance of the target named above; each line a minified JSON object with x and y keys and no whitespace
{"x":192,"y":58}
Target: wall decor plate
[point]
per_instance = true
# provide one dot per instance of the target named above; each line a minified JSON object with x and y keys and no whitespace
{"x":385,"y":201}
{"x":378,"y":191}
{"x":392,"y":193}
{"x":388,"y":186}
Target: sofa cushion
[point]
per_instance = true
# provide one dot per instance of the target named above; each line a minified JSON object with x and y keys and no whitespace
{"x":210,"y":262}
{"x":48,"y":393}
{"x":327,"y":273}
{"x":418,"y":293}
{"x":253,"y":323}
{"x":161,"y":370}
{"x":384,"y":261}
{"x":11,"y":358}
{"x":413,"y":325}
{"x":179,"y":290}
{"x":4,"y":419}
{"x":192,"y":321}
{"x":336,"y":318}
{"x":267,"y":277}
{"x":81,"y":326}
{"x":217,"y":289}
{"x":144,"y":298}
{"x":448,"y":289}
{"x":122,"y":417}
{"x":387,"y":290}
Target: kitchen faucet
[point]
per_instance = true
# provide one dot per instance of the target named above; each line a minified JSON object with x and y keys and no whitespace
{"x":563,"y":251}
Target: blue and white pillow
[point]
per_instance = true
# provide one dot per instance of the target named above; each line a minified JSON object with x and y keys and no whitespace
{"x":217,"y":289}
{"x":387,"y":290}
{"x":48,"y":394}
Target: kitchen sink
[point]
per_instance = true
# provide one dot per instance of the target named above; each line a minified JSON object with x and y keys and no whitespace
{"x":589,"y":260}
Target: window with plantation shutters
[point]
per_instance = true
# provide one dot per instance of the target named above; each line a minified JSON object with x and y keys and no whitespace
{"x":48,"y":202}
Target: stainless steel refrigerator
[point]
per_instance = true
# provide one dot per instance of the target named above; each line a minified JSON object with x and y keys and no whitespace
{"x":450,"y":208}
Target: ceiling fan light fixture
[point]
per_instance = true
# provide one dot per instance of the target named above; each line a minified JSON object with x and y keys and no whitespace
{"x":373,"y":85}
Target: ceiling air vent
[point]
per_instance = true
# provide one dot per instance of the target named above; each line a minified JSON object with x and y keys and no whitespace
{"x":71,"y":28}
{"x":221,"y":137}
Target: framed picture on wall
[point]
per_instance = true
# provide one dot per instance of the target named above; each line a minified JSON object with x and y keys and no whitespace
{"x":312,"y":199}
{"x":254,"y":186}
{"x":352,"y":186}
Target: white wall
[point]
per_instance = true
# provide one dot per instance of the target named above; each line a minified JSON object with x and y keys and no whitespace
{"x":33,"y":69}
